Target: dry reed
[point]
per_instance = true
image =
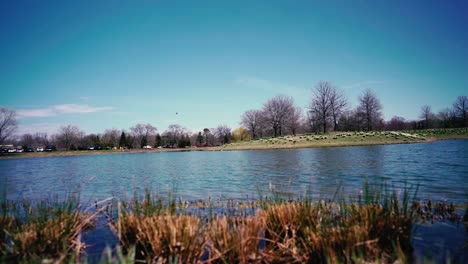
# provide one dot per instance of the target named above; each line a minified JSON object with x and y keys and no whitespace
{"x":281,"y":232}
{"x":49,"y":231}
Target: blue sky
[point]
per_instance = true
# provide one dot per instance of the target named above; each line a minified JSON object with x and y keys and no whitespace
{"x":112,"y":64}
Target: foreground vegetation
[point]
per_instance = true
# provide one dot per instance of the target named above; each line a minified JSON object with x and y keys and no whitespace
{"x":290,"y":232}
{"x":372,"y":228}
{"x":48,"y":231}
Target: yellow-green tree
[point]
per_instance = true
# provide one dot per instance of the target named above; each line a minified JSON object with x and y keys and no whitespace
{"x":240,"y":134}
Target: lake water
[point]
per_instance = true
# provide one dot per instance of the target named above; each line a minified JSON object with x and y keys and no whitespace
{"x":440,"y":169}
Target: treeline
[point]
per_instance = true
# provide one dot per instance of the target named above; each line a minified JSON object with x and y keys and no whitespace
{"x":70,"y":137}
{"x":328,"y":110}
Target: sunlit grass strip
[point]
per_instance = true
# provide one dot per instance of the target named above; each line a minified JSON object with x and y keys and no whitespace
{"x":372,"y":229}
{"x":47,"y":231}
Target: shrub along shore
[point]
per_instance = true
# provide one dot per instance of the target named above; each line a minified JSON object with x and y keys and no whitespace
{"x":332,"y":139}
{"x":374,"y":227}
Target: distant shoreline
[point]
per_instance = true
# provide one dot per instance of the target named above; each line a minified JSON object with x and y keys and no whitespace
{"x":229,"y":147}
{"x":337,"y":145}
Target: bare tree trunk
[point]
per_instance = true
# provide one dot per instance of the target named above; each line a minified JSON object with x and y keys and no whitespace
{"x":324,"y":120}
{"x":335,"y":124}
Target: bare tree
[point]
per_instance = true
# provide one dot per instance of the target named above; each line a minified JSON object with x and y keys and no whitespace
{"x":320,"y":105}
{"x":197,"y":139}
{"x":176,"y":136}
{"x":396,"y":123}
{"x":41,"y":139}
{"x":312,"y":123}
{"x":446,"y":117}
{"x":369,"y":109}
{"x":223,"y":134}
{"x":143,"y":132}
{"x":84,"y":141}
{"x":349,"y":120}
{"x":8,"y":124}
{"x":111,"y":137}
{"x":251,"y":120}
{"x":138,"y":132}
{"x":150,"y":130}
{"x":91,"y":140}
{"x":460,"y":108}
{"x":276,"y":112}
{"x":68,"y":136}
{"x":427,"y":115}
{"x":294,"y":122}
{"x":175,"y":130}
{"x":338,"y":103}
{"x":27,"y":140}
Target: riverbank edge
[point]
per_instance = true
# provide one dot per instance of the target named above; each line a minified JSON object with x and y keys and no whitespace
{"x":222,"y":148}
{"x":342,"y":144}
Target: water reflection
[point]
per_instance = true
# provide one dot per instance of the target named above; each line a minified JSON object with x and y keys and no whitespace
{"x":440,"y":168}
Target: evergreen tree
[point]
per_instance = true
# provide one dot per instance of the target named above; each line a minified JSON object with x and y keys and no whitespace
{"x":158,"y":140}
{"x":123,"y":140}
{"x":200,"y":138}
{"x":226,"y":138}
{"x":96,"y":140}
{"x":184,"y":142}
{"x":129,"y":141}
{"x":144,"y":141}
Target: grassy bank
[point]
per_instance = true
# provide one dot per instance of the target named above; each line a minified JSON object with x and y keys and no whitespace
{"x":69,"y":153}
{"x":332,"y":139}
{"x":441,"y":133}
{"x":343,"y":139}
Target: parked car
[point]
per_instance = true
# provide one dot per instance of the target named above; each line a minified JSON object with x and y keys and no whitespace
{"x":4,"y":150}
{"x":11,"y":150}
{"x":147,"y":147}
{"x":29,"y":150}
{"x":50,"y":148}
{"x":19,"y":150}
{"x":39,"y":149}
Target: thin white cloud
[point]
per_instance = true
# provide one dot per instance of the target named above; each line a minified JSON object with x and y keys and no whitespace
{"x":48,"y":128}
{"x":80,"y":108}
{"x":36,"y":112}
{"x":61,"y":109}
{"x":363,"y":84}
